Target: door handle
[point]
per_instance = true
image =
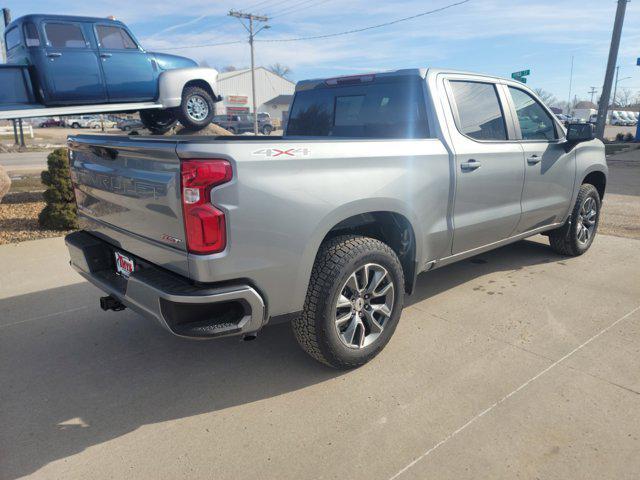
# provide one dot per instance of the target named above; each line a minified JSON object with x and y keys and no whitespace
{"x":471,"y":165}
{"x":106,"y":55}
{"x":54,"y":54}
{"x":533,"y":159}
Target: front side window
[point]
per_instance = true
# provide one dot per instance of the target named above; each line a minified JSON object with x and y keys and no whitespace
{"x":64,"y":35}
{"x":535,"y":122}
{"x":31,"y":35}
{"x":115,"y":38}
{"x":479,"y":113}
{"x":13,"y":38}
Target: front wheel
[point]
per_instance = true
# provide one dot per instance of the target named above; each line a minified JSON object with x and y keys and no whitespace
{"x":75,"y":125}
{"x":196,"y":109}
{"x":157,"y":122}
{"x":267,"y":129}
{"x":353,"y":302}
{"x":576,"y":236}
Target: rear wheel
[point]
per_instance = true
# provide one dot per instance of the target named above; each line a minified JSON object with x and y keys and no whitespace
{"x":353,"y":302}
{"x":267,"y":129}
{"x":75,"y":125}
{"x":196,"y":109}
{"x":576,"y":236}
{"x":157,"y":122}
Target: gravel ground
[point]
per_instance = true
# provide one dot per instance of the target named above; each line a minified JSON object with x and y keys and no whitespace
{"x":19,"y":218}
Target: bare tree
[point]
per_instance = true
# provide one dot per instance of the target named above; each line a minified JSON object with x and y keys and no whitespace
{"x":624,"y":97}
{"x":280,"y":69}
{"x":547,"y":97}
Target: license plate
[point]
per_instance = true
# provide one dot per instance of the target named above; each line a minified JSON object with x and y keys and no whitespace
{"x":124,"y":265}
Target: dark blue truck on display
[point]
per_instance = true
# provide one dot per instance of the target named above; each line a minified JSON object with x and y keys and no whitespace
{"x":58,"y":61}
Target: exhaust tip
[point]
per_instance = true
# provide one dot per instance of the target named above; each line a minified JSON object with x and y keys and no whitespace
{"x":249,"y":337}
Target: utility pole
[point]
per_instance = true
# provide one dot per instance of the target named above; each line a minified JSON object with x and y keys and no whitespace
{"x":592,"y":92}
{"x":4,"y":22}
{"x":570,"y":84}
{"x":603,"y":107}
{"x":615,"y":88}
{"x":252,"y":18}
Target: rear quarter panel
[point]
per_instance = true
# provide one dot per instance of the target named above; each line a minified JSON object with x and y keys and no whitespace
{"x":280,"y":206}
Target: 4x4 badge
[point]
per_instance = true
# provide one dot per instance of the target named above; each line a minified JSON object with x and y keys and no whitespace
{"x":282,"y":152}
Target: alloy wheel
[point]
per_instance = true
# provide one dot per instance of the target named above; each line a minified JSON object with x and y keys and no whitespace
{"x":586,"y":223}
{"x":364,"y":305}
{"x":197,"y":108}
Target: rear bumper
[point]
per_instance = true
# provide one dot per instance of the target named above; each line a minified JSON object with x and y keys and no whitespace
{"x":186,"y":310}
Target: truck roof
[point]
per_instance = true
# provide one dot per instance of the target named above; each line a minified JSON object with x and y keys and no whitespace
{"x":38,"y":17}
{"x":405,"y":72}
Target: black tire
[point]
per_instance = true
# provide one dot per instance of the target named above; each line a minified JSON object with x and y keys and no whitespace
{"x":75,"y":125}
{"x":157,"y":122}
{"x":267,"y":129}
{"x":231,"y":130}
{"x":566,"y":239}
{"x":315,"y":330}
{"x":186,"y":116}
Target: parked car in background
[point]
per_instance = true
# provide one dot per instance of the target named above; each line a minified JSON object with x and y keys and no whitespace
{"x":100,"y":123}
{"x":238,"y":124}
{"x":58,"y":60}
{"x":378,"y":178}
{"x":80,"y":121}
{"x":129,"y":125}
{"x":50,"y":122}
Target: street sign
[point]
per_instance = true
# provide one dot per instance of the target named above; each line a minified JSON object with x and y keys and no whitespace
{"x":638,"y":62}
{"x":522,"y":80}
{"x":521,"y":73}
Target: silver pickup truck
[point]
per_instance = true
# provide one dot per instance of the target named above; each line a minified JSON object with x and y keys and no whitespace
{"x":378,"y":178}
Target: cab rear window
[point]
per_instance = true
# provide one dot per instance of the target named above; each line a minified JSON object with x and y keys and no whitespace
{"x":391,"y":109}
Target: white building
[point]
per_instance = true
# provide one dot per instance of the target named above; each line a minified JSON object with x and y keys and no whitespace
{"x":235,"y":88}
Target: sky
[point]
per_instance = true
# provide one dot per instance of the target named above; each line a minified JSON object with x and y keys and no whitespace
{"x":489,"y":36}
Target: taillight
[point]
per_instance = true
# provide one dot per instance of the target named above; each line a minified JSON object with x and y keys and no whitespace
{"x":204,"y":224}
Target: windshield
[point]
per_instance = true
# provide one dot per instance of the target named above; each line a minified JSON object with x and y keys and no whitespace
{"x":391,"y":109}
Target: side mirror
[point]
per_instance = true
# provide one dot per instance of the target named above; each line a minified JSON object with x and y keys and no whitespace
{"x":580,"y":132}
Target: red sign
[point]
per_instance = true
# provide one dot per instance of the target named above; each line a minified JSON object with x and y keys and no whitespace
{"x":237,"y":99}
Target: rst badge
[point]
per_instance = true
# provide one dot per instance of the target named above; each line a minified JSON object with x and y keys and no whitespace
{"x":282,"y":152}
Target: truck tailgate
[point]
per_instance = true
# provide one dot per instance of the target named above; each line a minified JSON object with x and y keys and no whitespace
{"x":128,"y":192}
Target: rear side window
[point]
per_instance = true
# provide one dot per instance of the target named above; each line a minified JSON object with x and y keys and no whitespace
{"x":378,"y":110}
{"x":535,"y":122}
{"x":13,"y":38}
{"x":64,"y":35}
{"x":115,"y":38}
{"x":479,"y":113}
{"x":31,"y":35}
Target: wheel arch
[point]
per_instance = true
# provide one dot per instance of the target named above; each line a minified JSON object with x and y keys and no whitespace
{"x":391,"y":228}
{"x":362,"y":217}
{"x":598,"y":179}
{"x":173,"y":82}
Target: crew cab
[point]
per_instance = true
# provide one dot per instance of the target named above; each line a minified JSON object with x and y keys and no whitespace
{"x":378,"y":178}
{"x":60,"y":60}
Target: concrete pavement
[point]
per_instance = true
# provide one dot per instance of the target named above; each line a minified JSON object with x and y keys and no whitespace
{"x":24,"y":161}
{"x":514,"y":364}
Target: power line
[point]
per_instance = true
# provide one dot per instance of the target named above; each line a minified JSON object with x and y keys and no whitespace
{"x":329,"y":35}
{"x":204,"y":45}
{"x":302,"y":6}
{"x":371,"y":27}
